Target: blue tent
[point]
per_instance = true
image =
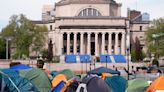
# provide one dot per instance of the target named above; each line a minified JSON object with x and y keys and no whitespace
{"x":85,"y":58}
{"x":117,"y":83}
{"x":20,"y":67}
{"x":70,"y":58}
{"x":101,"y":70}
{"x":105,"y":58}
{"x":12,"y":82}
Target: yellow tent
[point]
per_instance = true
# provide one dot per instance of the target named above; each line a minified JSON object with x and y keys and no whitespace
{"x":58,"y":79}
{"x":158,"y":84}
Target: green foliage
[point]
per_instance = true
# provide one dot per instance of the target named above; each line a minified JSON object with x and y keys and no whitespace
{"x":2,"y":49}
{"x":155,"y":43}
{"x":44,"y":53}
{"x":133,"y":55}
{"x":27,"y":36}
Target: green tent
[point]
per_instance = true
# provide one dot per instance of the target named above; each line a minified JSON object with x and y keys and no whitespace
{"x":68,"y":73}
{"x":117,"y":83}
{"x":39,"y":78}
{"x":137,"y":85}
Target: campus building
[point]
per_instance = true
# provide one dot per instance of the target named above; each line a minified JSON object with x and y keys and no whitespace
{"x":93,"y":27}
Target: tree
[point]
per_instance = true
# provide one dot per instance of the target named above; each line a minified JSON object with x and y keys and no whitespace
{"x":2,"y":49}
{"x":155,"y":38}
{"x":27,"y":36}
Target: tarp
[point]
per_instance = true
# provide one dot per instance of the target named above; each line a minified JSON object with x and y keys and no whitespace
{"x":137,"y":85}
{"x":20,"y":67}
{"x":158,"y":84}
{"x":101,"y":70}
{"x":12,"y":82}
{"x":96,"y":84}
{"x":70,"y":58}
{"x":117,"y":83}
{"x":85,"y":58}
{"x":105,"y":58}
{"x":119,"y":58}
{"x":39,"y":78}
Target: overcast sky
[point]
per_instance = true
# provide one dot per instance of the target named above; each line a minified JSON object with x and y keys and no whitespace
{"x":32,"y":8}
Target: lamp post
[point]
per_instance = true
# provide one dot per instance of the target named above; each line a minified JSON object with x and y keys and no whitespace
{"x":86,"y":63}
{"x":128,"y":50}
{"x":106,"y":60}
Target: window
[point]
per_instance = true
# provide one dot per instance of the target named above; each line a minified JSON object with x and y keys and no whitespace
{"x":50,"y":27}
{"x":140,"y":28}
{"x":89,"y":12}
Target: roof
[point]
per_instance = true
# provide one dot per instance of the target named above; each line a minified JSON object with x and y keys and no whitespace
{"x":65,"y":2}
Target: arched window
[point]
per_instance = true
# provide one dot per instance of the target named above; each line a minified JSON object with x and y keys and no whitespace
{"x":89,"y":12}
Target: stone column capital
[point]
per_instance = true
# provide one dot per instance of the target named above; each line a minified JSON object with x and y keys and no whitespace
{"x":81,"y":33}
{"x":109,"y":33}
{"x":89,"y":33}
{"x":123,"y":33}
{"x":74,"y":33}
{"x":68,"y":33}
{"x":103,"y":33}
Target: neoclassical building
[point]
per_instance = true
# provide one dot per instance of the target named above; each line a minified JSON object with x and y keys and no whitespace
{"x":92,"y":27}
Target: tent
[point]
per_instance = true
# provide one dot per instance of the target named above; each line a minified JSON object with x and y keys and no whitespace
{"x":72,"y":87}
{"x":137,"y":85}
{"x":158,"y":84}
{"x":39,"y":78}
{"x":53,"y":73}
{"x":101,"y":70}
{"x":12,"y":82}
{"x":117,"y":83}
{"x":20,"y":67}
{"x":105,"y":75}
{"x":68,"y":73}
{"x":58,"y":79}
{"x":59,"y":87}
{"x":93,"y":84}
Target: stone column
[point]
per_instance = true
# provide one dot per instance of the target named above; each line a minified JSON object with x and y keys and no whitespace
{"x":110,"y":43}
{"x":96,"y":44}
{"x":75,"y":44}
{"x":68,"y":43}
{"x":103,"y":44}
{"x":61,"y":44}
{"x":123,"y":44}
{"x":89,"y":44}
{"x":81,"y":43}
{"x":116,"y":43}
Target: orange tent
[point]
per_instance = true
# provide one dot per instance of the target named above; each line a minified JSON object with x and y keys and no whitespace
{"x":158,"y":84}
{"x":58,"y":79}
{"x":103,"y":75}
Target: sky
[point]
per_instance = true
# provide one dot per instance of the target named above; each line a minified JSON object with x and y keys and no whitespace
{"x":33,"y":8}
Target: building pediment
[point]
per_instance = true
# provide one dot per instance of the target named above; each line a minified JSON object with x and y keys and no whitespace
{"x":65,"y":2}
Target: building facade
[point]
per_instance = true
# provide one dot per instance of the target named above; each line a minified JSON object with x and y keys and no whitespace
{"x":91,"y":27}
